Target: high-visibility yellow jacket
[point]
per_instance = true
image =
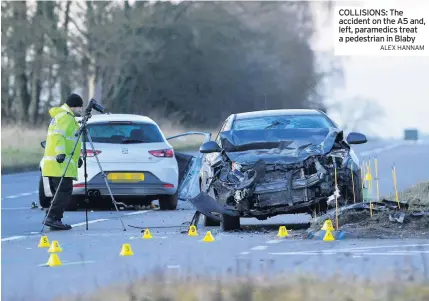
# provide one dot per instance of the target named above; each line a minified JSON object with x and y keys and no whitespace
{"x":61,"y":140}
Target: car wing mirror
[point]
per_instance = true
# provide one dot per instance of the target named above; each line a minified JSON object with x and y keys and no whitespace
{"x":210,"y":147}
{"x":356,"y":138}
{"x":43,"y":144}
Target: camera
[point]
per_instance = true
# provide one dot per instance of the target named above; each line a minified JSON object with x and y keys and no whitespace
{"x":93,"y":104}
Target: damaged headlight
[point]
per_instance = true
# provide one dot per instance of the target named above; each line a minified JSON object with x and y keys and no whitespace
{"x":340,"y":156}
{"x":236,"y":166}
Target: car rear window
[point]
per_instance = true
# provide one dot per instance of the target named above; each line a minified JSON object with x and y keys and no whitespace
{"x":124,"y":132}
{"x":283,"y":122}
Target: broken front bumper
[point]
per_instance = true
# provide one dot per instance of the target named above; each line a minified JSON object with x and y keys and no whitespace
{"x":207,"y":205}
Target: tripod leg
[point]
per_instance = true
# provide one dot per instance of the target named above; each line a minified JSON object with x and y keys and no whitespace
{"x":59,"y":185}
{"x":104,"y":177}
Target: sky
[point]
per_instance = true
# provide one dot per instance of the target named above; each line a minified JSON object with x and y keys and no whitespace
{"x":400,"y":85}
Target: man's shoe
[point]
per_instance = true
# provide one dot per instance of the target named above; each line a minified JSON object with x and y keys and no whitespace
{"x":56,"y":224}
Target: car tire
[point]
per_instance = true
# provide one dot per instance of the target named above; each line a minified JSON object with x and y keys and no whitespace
{"x":168,"y":202}
{"x":210,"y":222}
{"x":229,"y":223}
{"x":44,"y":201}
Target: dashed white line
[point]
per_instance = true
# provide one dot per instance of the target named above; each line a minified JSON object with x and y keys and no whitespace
{"x":13,"y":238}
{"x":244,"y":253}
{"x":73,"y":225}
{"x":18,"y":208}
{"x":274,"y":241}
{"x":173,"y":266}
{"x":259,"y":248}
{"x":68,"y":263}
{"x":89,"y":222}
{"x":138,"y":212}
{"x":19,"y":195}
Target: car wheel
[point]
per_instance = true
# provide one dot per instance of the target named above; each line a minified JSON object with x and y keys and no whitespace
{"x":229,"y":223}
{"x":209,"y":222}
{"x":168,"y":202}
{"x":44,"y":201}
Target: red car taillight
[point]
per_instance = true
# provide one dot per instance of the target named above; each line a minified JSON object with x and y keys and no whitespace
{"x":79,"y":185}
{"x":90,"y":153}
{"x":166,"y":153}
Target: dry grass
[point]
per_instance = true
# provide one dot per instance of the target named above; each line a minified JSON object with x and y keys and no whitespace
{"x":21,"y":150}
{"x":417,"y":196}
{"x":278,"y":288}
{"x":20,"y":147}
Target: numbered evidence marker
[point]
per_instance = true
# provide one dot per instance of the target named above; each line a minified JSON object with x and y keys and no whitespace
{"x":126,"y":250}
{"x":55,"y":247}
{"x":44,"y":242}
{"x":146,"y":234}
{"x":192,"y":231}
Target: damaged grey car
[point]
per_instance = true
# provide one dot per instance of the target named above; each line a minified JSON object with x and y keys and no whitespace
{"x":273,"y":162}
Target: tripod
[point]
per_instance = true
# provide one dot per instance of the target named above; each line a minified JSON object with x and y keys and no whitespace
{"x":83,"y":131}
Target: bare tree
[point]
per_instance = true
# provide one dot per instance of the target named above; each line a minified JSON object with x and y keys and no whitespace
{"x":357,"y":113}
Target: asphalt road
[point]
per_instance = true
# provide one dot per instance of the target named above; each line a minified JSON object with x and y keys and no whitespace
{"x":91,"y":258}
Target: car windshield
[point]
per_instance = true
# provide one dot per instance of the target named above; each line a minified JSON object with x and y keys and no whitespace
{"x":124,"y":132}
{"x":283,"y":122}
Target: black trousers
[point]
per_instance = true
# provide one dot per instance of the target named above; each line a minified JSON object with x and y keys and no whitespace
{"x":63,"y":197}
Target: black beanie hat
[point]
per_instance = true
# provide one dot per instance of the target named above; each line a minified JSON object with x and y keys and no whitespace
{"x":74,"y":100}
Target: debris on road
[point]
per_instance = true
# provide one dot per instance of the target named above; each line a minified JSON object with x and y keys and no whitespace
{"x":406,"y":218}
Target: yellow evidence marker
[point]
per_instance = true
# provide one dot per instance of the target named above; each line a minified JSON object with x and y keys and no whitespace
{"x":208,"y":237}
{"x":126,"y":250}
{"x":328,"y":236}
{"x":327,"y":225}
{"x":54,"y":260}
{"x":282,"y":232}
{"x":55,"y":247}
{"x":192,"y":231}
{"x":146,"y":234}
{"x":44,"y":242}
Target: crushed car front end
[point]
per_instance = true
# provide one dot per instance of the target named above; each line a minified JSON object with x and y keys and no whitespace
{"x":286,"y":172}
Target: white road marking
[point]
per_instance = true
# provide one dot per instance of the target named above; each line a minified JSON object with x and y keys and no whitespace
{"x":18,"y":208}
{"x":373,"y":247}
{"x":74,"y":225}
{"x":244,"y":253}
{"x":273,"y":241}
{"x":19,"y":195}
{"x":388,"y":254}
{"x":258,"y":248}
{"x":138,"y":212}
{"x":68,"y":263}
{"x":90,"y":222}
{"x":357,"y":255}
{"x":419,"y":252}
{"x":13,"y":238}
{"x":381,"y":149}
{"x":296,"y":253}
{"x":173,"y":266}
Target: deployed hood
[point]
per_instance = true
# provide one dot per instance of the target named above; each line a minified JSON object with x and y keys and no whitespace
{"x":57,"y":110}
{"x":277,"y":146}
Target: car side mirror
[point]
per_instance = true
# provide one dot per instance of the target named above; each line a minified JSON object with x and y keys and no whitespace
{"x":210,"y":147}
{"x":356,"y":138}
{"x":43,"y":144}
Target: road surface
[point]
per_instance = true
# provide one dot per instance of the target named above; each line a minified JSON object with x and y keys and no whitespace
{"x":91,"y":258}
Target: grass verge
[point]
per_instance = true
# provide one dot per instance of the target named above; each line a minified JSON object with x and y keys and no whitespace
{"x":278,"y":288}
{"x":20,"y":148}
